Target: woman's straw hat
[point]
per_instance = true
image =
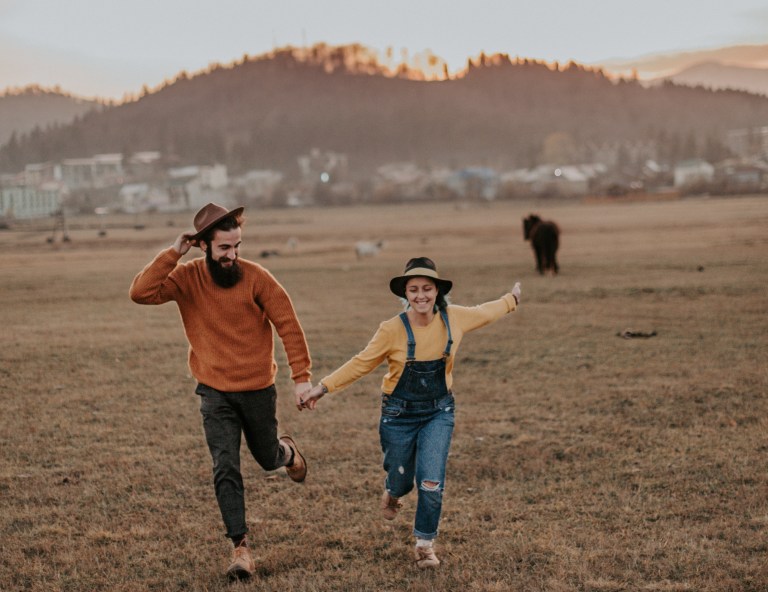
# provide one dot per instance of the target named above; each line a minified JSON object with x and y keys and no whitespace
{"x":419,"y":267}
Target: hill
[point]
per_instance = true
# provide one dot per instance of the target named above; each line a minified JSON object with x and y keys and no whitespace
{"x":717,"y":75}
{"x":668,"y":64}
{"x":264,"y":112}
{"x":23,"y":110}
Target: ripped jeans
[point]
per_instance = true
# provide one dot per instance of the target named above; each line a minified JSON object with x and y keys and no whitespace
{"x":415,"y":438}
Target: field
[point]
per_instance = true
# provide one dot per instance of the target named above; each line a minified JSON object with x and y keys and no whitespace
{"x":581,"y":460}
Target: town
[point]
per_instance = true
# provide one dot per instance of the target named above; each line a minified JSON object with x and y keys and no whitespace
{"x":150,"y":181}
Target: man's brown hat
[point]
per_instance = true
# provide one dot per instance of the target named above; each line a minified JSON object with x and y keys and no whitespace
{"x":210,"y":215}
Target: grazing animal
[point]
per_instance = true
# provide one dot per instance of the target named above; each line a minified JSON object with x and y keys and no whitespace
{"x":368,"y":249}
{"x":545,"y":239}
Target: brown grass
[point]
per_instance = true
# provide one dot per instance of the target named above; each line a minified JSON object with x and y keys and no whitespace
{"x":581,"y":460}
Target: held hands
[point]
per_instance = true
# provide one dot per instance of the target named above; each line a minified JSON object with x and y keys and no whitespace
{"x":312,"y":396}
{"x":300,"y":392}
{"x":516,"y":292}
{"x":182,"y":244}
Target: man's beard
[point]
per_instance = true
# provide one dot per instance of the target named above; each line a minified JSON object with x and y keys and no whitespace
{"x":226,"y":277}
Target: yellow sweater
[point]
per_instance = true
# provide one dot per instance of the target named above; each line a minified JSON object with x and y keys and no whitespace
{"x":390,"y":343}
{"x":231,"y":343}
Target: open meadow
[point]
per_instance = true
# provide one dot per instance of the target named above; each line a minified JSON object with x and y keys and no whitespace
{"x":581,"y":460}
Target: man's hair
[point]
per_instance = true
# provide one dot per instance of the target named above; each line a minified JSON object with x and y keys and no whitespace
{"x":229,"y":223}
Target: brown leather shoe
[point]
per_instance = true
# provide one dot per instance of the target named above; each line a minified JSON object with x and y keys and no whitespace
{"x":389,"y":506}
{"x":425,"y":557}
{"x":242,"y":566}
{"x":298,"y":470}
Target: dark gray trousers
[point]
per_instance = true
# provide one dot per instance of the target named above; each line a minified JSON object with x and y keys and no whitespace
{"x":225,"y":417}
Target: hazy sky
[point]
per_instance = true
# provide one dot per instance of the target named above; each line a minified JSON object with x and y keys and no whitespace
{"x":110,"y":47}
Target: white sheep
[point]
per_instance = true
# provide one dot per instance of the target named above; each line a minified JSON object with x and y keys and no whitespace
{"x":368,"y":248}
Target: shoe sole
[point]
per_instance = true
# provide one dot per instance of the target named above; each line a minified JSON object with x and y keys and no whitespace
{"x":238,"y":574}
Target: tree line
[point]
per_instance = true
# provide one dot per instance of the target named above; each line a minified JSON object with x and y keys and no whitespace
{"x":264,"y":112}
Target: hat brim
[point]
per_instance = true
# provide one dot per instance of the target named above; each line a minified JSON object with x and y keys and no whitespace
{"x":231,"y":214}
{"x":397,"y":284}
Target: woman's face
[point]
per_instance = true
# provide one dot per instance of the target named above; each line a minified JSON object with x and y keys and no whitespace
{"x":421,"y":293}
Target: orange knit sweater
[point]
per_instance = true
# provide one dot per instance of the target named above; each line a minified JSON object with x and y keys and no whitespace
{"x":231,"y":343}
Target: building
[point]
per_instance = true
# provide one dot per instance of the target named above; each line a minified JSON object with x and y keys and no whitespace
{"x":145,"y":165}
{"x":748,"y":142}
{"x":692,"y":172}
{"x":399,"y":180}
{"x":143,"y":197}
{"x":97,"y":172}
{"x":551,"y":180}
{"x":191,"y":187}
{"x":739,"y":177}
{"x":19,"y":201}
{"x":39,"y":173}
{"x":476,"y":183}
{"x":257,"y":186}
{"x":324,"y":167}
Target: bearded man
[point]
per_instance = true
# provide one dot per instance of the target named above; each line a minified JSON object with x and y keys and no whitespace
{"x":228,"y":307}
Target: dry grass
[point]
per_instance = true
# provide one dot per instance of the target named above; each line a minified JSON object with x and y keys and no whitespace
{"x":581,"y":461}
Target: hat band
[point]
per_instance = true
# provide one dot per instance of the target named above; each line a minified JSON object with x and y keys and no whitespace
{"x":422,"y":271}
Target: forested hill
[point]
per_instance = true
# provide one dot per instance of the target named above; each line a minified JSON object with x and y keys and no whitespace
{"x":264,"y":112}
{"x":22,"y":110}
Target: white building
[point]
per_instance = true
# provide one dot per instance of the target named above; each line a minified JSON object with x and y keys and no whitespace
{"x":690,"y":172}
{"x":145,"y":164}
{"x":399,"y":180}
{"x":258,"y":185}
{"x":565,"y":181}
{"x":143,"y":197}
{"x":24,"y":202}
{"x":101,"y":170}
{"x":43,"y":172}
{"x":191,"y":187}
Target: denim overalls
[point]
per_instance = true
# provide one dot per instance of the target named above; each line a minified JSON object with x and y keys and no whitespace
{"x":415,"y":430}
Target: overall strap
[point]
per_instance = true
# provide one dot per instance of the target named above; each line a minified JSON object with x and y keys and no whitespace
{"x":411,"y":356}
{"x":444,"y":314}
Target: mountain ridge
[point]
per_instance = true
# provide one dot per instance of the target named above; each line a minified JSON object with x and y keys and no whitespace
{"x":716,"y":75}
{"x":24,"y":109}
{"x":264,"y":112}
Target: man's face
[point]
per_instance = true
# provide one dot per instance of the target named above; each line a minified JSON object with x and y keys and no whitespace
{"x":221,"y":257}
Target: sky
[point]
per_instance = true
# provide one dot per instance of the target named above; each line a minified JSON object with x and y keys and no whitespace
{"x":110,"y":48}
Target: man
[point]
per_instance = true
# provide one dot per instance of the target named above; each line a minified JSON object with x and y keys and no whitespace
{"x":228,"y":306}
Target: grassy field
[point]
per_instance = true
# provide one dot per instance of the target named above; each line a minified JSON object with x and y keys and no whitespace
{"x":581,"y":460}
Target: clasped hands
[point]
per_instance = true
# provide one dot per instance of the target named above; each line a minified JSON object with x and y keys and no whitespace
{"x":307,"y":395}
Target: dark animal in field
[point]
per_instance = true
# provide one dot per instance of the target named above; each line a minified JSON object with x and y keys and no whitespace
{"x":545,"y":239}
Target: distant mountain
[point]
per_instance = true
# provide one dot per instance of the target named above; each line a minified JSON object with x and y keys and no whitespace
{"x":264,"y":112}
{"x":23,"y":110}
{"x":719,"y":76}
{"x":668,"y":64}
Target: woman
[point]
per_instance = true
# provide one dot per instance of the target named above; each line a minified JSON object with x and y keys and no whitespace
{"x":417,"y":409}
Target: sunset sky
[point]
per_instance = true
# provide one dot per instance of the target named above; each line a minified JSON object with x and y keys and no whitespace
{"x":111,"y":47}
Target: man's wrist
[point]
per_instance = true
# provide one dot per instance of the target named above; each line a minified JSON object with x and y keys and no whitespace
{"x":323,"y":388}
